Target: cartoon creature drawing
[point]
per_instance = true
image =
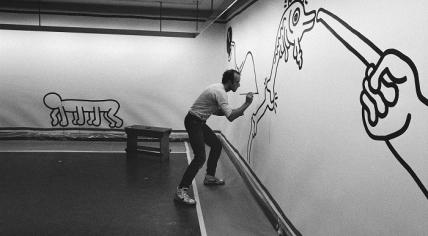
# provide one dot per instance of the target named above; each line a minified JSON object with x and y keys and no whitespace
{"x":295,"y":21}
{"x":82,"y":111}
{"x":390,"y":78}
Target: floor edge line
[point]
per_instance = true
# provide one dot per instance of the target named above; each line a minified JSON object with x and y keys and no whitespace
{"x":198,"y":202}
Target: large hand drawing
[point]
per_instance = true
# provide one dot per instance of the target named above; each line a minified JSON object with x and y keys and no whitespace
{"x":389,"y":75}
{"x":295,"y":21}
{"x":82,"y":111}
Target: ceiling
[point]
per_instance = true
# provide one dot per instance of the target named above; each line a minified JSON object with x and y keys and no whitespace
{"x":202,"y":12}
{"x":179,"y":3}
{"x":183,"y":9}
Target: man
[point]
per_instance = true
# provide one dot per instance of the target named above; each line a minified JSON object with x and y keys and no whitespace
{"x":213,"y":100}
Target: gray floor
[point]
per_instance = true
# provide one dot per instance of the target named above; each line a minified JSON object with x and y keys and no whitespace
{"x":40,"y":179}
{"x":231,"y":210}
{"x":91,"y":194}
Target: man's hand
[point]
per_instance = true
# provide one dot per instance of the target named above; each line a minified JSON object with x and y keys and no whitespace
{"x":388,"y":98}
{"x":249,"y":98}
{"x":240,"y":111}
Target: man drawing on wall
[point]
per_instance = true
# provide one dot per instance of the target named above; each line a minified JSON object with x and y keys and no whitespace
{"x":212,"y":101}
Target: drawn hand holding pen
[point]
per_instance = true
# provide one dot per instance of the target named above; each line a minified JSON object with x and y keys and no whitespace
{"x":391,"y":97}
{"x":385,"y":87}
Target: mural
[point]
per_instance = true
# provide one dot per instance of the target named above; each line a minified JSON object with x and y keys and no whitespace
{"x":83,"y":112}
{"x":243,"y":68}
{"x":389,"y":75}
{"x":295,"y":21}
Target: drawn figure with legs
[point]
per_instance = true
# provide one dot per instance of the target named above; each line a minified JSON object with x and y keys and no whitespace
{"x":82,"y":111}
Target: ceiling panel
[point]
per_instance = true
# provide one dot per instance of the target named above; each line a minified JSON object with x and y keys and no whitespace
{"x":202,"y":13}
{"x":179,"y":4}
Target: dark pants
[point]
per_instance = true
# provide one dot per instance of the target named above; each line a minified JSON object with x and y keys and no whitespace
{"x":199,"y":134}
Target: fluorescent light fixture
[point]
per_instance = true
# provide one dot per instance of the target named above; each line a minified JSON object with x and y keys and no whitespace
{"x":98,"y":30}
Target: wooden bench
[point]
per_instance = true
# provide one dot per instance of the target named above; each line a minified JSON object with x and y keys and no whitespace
{"x":136,"y":132}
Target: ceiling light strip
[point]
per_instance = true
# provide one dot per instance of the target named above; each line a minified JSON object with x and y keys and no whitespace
{"x":98,"y":30}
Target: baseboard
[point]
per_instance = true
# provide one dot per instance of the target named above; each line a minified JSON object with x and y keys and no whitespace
{"x":76,"y":134}
{"x":270,"y":207}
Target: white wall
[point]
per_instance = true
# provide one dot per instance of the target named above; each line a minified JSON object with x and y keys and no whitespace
{"x":314,"y":154}
{"x":154,"y":79}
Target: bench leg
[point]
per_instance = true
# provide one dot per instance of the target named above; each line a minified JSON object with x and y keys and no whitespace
{"x":131,"y":146}
{"x":164,"y":147}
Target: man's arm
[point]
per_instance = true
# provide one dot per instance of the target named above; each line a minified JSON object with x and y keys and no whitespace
{"x":240,"y":111}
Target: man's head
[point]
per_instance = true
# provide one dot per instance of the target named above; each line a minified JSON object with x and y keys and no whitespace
{"x":231,"y":79}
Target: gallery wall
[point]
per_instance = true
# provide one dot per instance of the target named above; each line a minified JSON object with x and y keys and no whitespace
{"x":335,"y":163}
{"x":72,"y":80}
{"x":337,"y":132}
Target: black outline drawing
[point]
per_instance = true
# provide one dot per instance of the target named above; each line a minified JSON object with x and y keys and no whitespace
{"x":232,"y":45}
{"x":295,"y":21}
{"x":378,"y":66}
{"x":83,"y":111}
{"x":375,"y":105}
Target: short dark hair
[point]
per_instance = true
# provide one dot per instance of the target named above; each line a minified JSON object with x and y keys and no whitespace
{"x":229,"y":75}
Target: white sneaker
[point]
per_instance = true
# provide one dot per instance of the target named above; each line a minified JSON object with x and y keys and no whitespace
{"x":212,"y":180}
{"x":182,"y":196}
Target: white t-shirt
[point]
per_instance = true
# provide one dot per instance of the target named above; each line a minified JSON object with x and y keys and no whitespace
{"x":213,"y":100}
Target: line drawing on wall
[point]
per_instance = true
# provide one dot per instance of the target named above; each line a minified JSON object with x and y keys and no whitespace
{"x":380,"y":93}
{"x":389,"y":75}
{"x":231,"y":45}
{"x":295,"y":21}
{"x":83,"y":111}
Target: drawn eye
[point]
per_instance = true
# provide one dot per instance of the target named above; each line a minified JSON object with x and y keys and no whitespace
{"x":296,"y":16}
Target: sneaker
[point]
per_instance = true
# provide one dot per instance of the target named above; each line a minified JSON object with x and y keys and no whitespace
{"x":212,"y":180}
{"x":181,"y":196}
